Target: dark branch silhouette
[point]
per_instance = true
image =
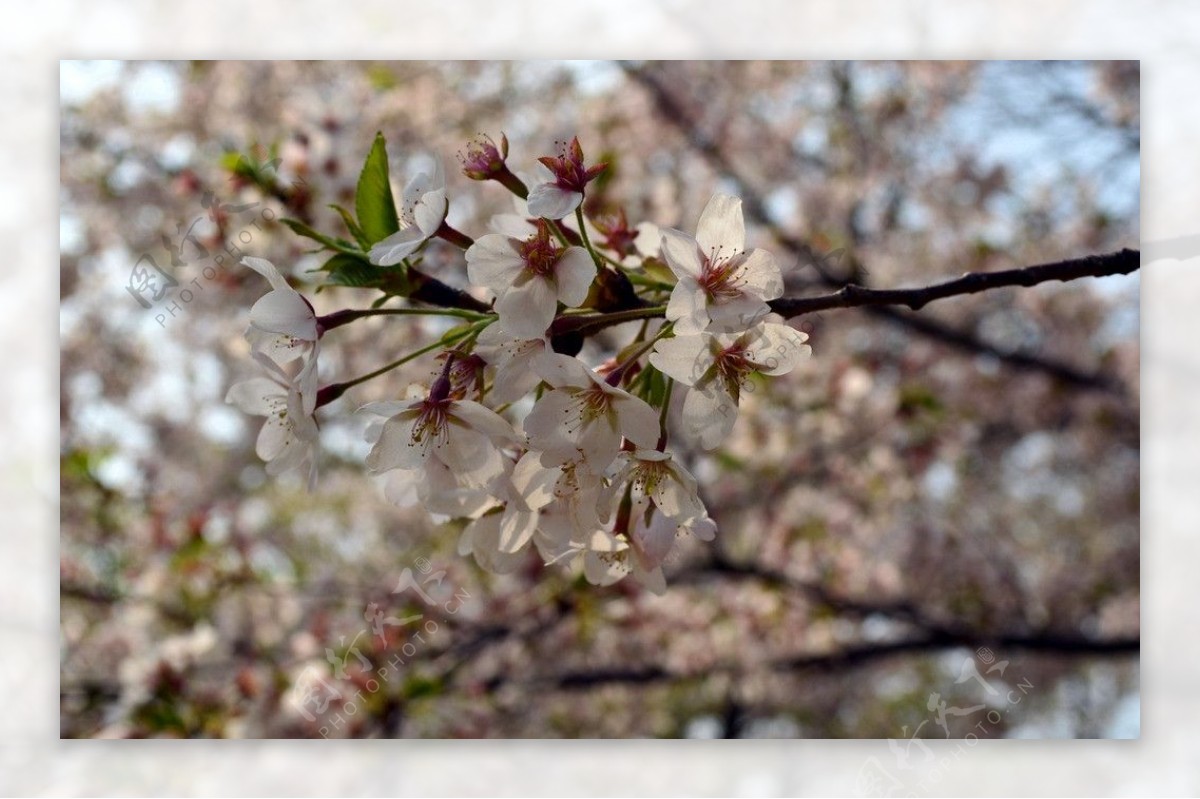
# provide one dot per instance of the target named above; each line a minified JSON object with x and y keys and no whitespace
{"x":854,"y":656}
{"x":854,"y":296}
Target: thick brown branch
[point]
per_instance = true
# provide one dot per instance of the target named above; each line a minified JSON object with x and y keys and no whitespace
{"x":853,"y":296}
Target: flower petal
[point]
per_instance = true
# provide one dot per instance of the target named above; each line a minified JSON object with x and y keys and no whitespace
{"x":685,"y":358}
{"x":603,"y":569}
{"x":285,"y":311}
{"x":493,"y":262}
{"x":677,"y":498}
{"x":721,"y":226}
{"x":708,"y":415}
{"x":462,"y":447}
{"x":527,"y":309}
{"x":267,"y":270}
{"x":653,"y":581}
{"x":564,"y":371}
{"x":396,"y":447}
{"x":653,"y":539}
{"x":574,"y":274}
{"x":513,"y":380}
{"x":400,"y":488}
{"x":600,"y":442}
{"x":636,"y":420}
{"x":396,"y":247}
{"x":778,"y":348}
{"x":486,"y":421}
{"x":546,"y":422}
{"x":389,"y":407}
{"x":760,"y":275}
{"x":516,"y":529}
{"x":483,"y":541}
{"x":738,"y":313}
{"x":259,"y":396}
{"x":550,"y":202}
{"x":688,"y":307}
{"x":430,"y":212}
{"x":682,"y":253}
{"x":532,"y":482}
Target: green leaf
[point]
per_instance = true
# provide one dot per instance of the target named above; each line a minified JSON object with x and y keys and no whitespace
{"x":329,"y":242}
{"x":352,"y":226}
{"x":456,"y":332}
{"x":373,"y":202}
{"x":247,"y":166}
{"x":656,"y":387}
{"x":658,"y":270}
{"x":352,"y":271}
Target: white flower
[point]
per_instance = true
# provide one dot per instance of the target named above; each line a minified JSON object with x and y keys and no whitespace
{"x":481,"y":538}
{"x":440,"y":491}
{"x":283,"y":325}
{"x":561,"y":182}
{"x":606,"y":557}
{"x":572,"y":487}
{"x":720,"y":283}
{"x":460,"y":433}
{"x":548,"y":199}
{"x":514,"y":359}
{"x":654,"y":477}
{"x":583,"y":415}
{"x":422,"y":211}
{"x":288,"y":439}
{"x":649,"y":240}
{"x":652,"y":533}
{"x":530,"y":278}
{"x":718,"y":366}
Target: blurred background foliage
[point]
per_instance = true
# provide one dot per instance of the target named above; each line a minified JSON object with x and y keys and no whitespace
{"x":927,"y":498}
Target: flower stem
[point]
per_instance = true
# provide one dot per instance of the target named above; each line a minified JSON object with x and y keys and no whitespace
{"x":339,"y":318}
{"x":331,"y":392}
{"x":614,"y":377}
{"x":587,"y":242}
{"x":662,"y":416}
{"x":511,"y":182}
{"x":566,"y":237}
{"x":454,"y":236}
{"x":592,"y":323}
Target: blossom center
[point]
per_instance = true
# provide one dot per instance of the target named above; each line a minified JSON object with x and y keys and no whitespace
{"x":482,"y":158}
{"x":648,"y":475}
{"x":431,"y":423}
{"x":733,"y":364}
{"x":538,"y":252}
{"x":589,"y":405}
{"x":720,"y":276}
{"x":568,"y":168}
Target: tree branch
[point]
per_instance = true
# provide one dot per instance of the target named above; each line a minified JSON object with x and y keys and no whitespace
{"x":861,"y":655}
{"x":854,"y":296}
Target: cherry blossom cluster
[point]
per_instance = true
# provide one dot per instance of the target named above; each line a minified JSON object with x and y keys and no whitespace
{"x":519,"y":438}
